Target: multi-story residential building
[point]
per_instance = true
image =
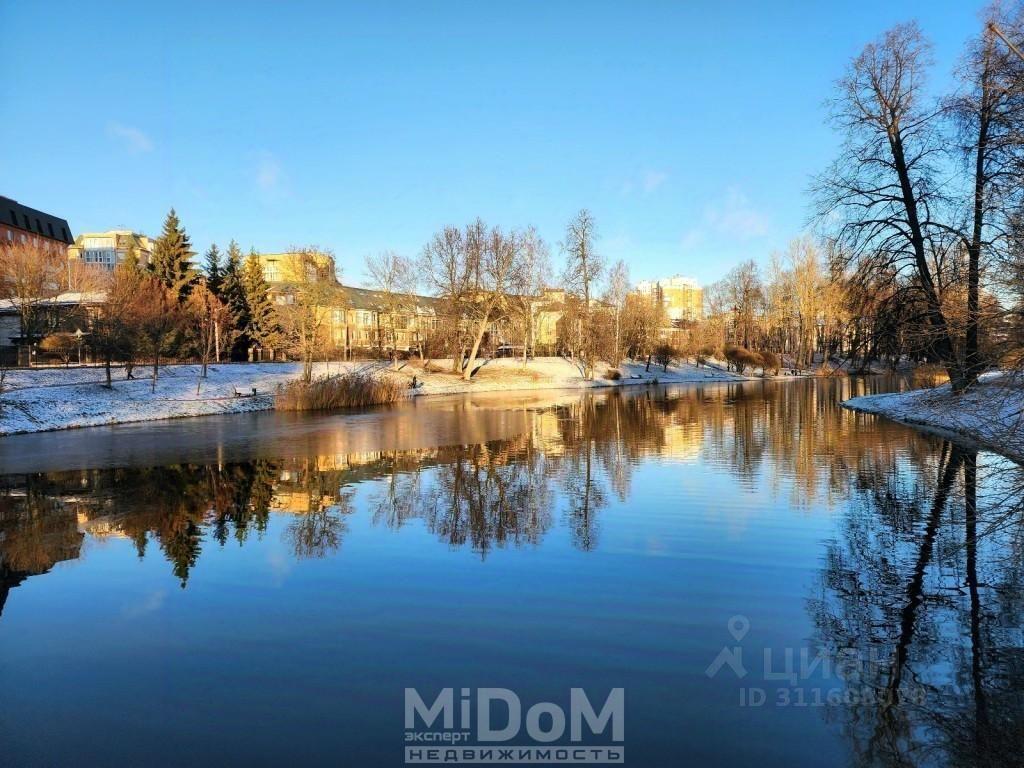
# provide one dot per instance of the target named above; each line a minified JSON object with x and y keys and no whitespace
{"x":284,"y":268}
{"x":682,"y":297}
{"x":366,"y":320}
{"x":108,"y":249}
{"x":21,"y":224}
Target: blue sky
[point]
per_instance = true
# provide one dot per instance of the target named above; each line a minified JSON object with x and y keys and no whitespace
{"x":690,"y":129}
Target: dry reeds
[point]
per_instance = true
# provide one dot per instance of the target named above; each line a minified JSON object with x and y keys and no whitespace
{"x":351,"y":390}
{"x":929,"y":376}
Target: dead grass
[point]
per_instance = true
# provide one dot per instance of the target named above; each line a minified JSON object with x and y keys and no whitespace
{"x":929,"y":376}
{"x":353,"y":390}
{"x":506,"y":373}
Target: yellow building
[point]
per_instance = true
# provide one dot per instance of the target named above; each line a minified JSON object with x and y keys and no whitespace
{"x":682,"y":297}
{"x":108,"y":249}
{"x":297,"y":267}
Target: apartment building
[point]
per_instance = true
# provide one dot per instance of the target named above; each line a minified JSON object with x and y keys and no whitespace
{"x":21,"y":224}
{"x":682,"y":297}
{"x":108,"y":249}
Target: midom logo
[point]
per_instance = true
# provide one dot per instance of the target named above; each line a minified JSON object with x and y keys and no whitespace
{"x":490,"y":725}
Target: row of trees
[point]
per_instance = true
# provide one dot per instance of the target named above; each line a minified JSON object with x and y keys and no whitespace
{"x":923,"y":203}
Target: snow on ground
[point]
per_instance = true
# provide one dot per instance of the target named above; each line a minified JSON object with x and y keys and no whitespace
{"x":41,"y":399}
{"x":990,"y":414}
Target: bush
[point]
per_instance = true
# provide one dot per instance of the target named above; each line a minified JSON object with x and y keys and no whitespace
{"x":741,"y":358}
{"x":613,"y":374}
{"x":351,"y":390}
{"x":929,"y":376}
{"x":770,"y":362}
{"x":664,"y":354}
{"x":63,"y":345}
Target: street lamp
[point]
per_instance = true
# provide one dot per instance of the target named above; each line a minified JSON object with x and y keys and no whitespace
{"x":78,"y":338}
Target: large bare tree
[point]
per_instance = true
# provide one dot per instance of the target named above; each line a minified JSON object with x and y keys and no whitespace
{"x":584,"y":267}
{"x":394,"y":276}
{"x":989,"y":113}
{"x":883,"y":191}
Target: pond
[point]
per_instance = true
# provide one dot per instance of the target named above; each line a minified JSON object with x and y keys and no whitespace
{"x":769,"y":579}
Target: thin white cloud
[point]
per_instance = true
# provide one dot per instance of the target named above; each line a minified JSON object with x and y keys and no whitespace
{"x":653,"y":180}
{"x":133,"y":139}
{"x":736,"y":217}
{"x":151,"y":603}
{"x":731,"y":218}
{"x":646,"y":182}
{"x":268,"y":172}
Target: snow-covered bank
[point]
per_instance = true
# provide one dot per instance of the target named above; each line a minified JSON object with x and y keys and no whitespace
{"x":991,"y":414}
{"x":42,"y":399}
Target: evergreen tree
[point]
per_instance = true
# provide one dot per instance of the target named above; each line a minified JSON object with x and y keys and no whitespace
{"x":172,"y":257}
{"x":131,"y":259}
{"x":263,"y":327}
{"x":214,"y":270}
{"x":232,"y":293}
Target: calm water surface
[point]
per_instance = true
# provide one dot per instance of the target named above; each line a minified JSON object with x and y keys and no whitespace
{"x":261,"y":589}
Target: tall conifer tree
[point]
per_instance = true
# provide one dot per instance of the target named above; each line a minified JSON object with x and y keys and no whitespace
{"x":233,"y":294}
{"x":172,"y":257}
{"x":214,"y":270}
{"x":263,"y":327}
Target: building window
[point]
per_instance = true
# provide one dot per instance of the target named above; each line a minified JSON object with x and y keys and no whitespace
{"x":49,"y":226}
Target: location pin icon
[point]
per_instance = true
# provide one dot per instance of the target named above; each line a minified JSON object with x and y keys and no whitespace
{"x":738,"y":627}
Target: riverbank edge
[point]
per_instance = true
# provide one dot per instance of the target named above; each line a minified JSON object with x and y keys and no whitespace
{"x":221,"y":406}
{"x":969,"y":419}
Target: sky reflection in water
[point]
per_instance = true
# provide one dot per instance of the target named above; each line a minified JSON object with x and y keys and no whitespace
{"x":263,"y":588}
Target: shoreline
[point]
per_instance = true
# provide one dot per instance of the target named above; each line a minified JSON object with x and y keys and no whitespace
{"x":44,"y":400}
{"x":989,"y":416}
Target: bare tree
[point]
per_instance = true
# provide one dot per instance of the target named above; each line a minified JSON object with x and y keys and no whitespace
{"x":989,"y":113}
{"x":474,"y":272}
{"x":394,"y":276}
{"x":883,"y":190}
{"x":114,"y":334}
{"x":204,"y":317}
{"x":533,"y":279}
{"x":448,"y":275}
{"x":31,"y":274}
{"x":304,"y":309}
{"x":497,"y":262}
{"x":583,"y":270}
{"x":159,"y":319}
{"x":615,"y":295}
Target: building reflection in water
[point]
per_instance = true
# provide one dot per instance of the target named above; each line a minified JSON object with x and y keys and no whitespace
{"x":924,"y":574}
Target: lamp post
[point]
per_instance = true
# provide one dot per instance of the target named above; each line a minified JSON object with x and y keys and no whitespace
{"x":78,"y":338}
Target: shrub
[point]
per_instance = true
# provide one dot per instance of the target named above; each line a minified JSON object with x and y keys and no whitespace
{"x":351,"y":390}
{"x":741,"y":358}
{"x":770,"y":362}
{"x":63,"y":345}
{"x":664,"y":354}
{"x":929,"y":376}
{"x":613,"y":374}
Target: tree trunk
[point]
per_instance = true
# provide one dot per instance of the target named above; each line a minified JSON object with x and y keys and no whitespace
{"x":467,"y":372}
{"x":156,"y":368}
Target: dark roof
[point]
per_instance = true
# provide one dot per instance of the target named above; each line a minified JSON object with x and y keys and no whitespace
{"x":37,"y":222}
{"x":368,"y":298}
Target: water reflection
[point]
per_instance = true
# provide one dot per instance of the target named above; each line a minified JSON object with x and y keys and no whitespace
{"x":571,"y":454}
{"x":923,"y":574}
{"x":925,"y":580}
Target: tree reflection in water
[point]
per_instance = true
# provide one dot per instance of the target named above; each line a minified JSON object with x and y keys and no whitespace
{"x":923,"y":576}
{"x":924,"y":587}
